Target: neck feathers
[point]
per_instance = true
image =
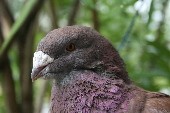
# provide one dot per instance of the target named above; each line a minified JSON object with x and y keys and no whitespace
{"x":89,"y":93}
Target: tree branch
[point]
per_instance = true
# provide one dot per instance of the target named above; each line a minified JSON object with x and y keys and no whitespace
{"x":6,"y":12}
{"x":22,"y":24}
{"x":160,"y":31}
{"x":53,"y":14}
{"x":128,"y":31}
{"x":1,"y":35}
{"x":6,"y":78}
{"x":25,"y":58}
{"x":95,"y":17}
{"x":9,"y":87}
{"x":73,"y":13}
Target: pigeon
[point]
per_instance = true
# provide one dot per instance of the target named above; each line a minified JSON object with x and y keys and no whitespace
{"x":89,"y":76}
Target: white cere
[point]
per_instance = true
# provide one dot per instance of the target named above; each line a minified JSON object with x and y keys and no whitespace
{"x":41,"y":59}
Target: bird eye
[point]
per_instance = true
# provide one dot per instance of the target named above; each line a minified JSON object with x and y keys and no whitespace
{"x":70,"y":47}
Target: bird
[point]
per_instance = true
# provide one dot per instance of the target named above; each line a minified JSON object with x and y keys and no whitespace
{"x":89,"y":76}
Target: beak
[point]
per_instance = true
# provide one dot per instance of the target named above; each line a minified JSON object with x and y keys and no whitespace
{"x":36,"y":73}
{"x":40,"y":61}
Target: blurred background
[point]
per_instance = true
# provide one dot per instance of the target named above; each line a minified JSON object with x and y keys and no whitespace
{"x":139,"y":29}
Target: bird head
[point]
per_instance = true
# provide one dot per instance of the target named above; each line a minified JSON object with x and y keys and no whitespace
{"x":78,"y":48}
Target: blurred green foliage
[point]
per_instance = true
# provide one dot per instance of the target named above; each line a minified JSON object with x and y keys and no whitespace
{"x":146,"y":52}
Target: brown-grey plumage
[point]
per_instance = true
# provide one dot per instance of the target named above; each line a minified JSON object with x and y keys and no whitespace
{"x":89,"y":75}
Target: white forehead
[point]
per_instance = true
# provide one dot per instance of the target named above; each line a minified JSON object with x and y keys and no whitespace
{"x":41,"y":59}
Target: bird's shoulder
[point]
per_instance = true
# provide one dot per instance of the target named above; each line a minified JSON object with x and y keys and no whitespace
{"x":157,"y":103}
{"x":143,"y":101}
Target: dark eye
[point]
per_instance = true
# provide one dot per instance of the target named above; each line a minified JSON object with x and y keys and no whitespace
{"x":70,"y":47}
